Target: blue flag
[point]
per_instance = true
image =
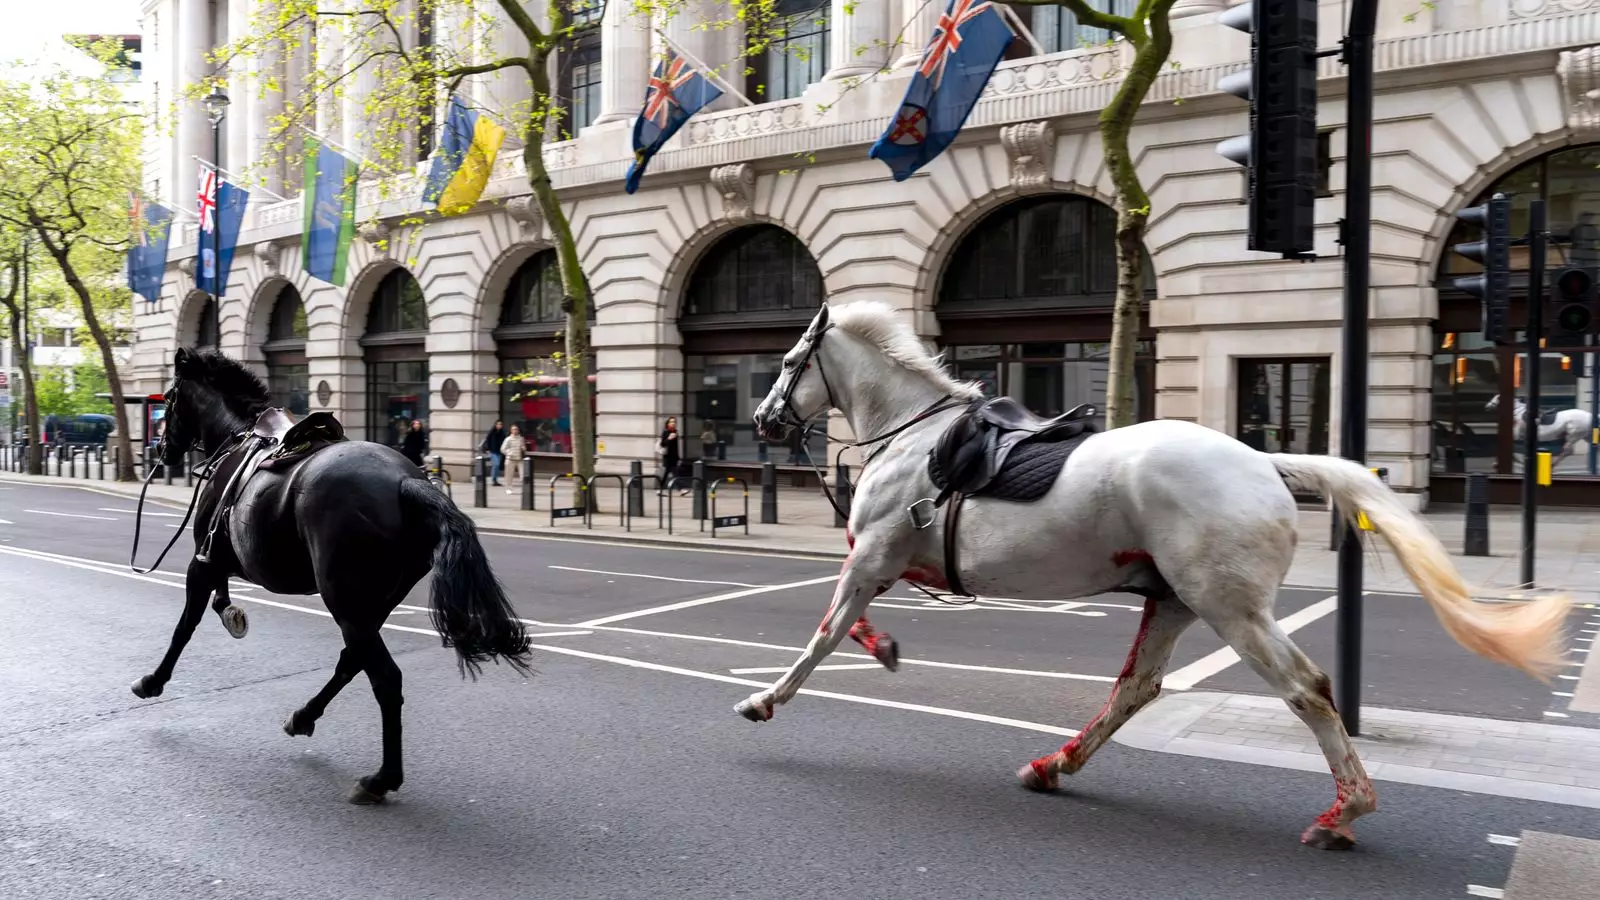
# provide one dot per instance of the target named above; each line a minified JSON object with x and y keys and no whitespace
{"x":968,"y":43}
{"x":677,"y":91}
{"x":217,"y":244}
{"x":147,"y":258}
{"x":330,"y":212}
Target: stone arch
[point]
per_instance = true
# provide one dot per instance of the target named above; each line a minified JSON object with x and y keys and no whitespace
{"x":675,"y":280}
{"x":358,"y":302}
{"x":1488,"y":172}
{"x":942,"y":249}
{"x":258,"y":315}
{"x":190,"y":312}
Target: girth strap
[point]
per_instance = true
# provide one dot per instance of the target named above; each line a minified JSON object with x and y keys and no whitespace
{"x":249,"y":453}
{"x":952,"y":564}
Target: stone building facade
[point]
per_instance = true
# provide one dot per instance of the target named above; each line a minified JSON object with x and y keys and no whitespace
{"x":998,"y":251}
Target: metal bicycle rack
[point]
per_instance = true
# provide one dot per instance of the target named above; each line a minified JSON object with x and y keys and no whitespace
{"x":569,"y":512}
{"x":695,"y":485}
{"x":729,"y":521}
{"x":622,"y":495}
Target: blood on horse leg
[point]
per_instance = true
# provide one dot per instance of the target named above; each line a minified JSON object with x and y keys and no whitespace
{"x":882,"y":647}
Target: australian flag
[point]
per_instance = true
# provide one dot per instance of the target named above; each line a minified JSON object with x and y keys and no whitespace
{"x":677,"y":91}
{"x":968,"y":43}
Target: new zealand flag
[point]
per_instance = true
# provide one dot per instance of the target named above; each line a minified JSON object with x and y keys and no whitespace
{"x":677,"y":91}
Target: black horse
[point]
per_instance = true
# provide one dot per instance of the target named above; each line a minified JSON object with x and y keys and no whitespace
{"x":297,"y":509}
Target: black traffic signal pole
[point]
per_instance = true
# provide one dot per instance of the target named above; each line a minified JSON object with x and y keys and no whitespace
{"x":1357,"y":281}
{"x":1530,"y":413}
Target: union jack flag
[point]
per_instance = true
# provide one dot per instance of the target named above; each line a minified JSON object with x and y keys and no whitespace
{"x":208,"y":199}
{"x":947,"y":37}
{"x":141,"y":233}
{"x":659,"y":99}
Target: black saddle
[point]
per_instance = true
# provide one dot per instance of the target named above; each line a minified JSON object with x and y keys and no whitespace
{"x":1549,"y":418}
{"x":296,"y":440}
{"x":998,"y":448}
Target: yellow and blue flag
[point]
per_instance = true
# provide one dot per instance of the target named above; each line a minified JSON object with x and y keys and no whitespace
{"x":967,"y":44}
{"x":465,"y":157}
{"x":676,"y":92}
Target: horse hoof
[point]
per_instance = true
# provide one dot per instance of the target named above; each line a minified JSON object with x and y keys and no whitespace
{"x":888,"y":653}
{"x":1033,"y":781}
{"x":1324,"y":838}
{"x":234,"y":619}
{"x":361,"y":796}
{"x":147,"y":687}
{"x":750,"y":710}
{"x":293,"y":727}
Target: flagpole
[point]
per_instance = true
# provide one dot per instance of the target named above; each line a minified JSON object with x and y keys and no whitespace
{"x":233,"y":175}
{"x":1018,"y":28}
{"x":340,"y":147}
{"x":711,"y":75}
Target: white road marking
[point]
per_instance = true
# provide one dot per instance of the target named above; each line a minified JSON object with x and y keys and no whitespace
{"x":619,"y":660}
{"x":46,"y":512}
{"x":1567,"y":677}
{"x":779,"y":670}
{"x":132,"y":512}
{"x":1070,"y":676}
{"x":655,"y":577}
{"x":1478,"y":890}
{"x":1505,"y":840}
{"x":1556,"y":715}
{"x":1562,"y":693}
{"x":718,"y":598}
{"x":6,"y":522}
{"x":1201,"y":669}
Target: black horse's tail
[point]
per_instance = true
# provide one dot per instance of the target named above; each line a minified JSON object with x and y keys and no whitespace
{"x":470,"y":608}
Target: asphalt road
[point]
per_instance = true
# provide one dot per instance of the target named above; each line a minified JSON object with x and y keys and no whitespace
{"x":620,"y":770}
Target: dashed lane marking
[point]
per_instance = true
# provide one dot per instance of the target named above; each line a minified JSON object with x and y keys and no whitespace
{"x":656,"y":577}
{"x":1478,"y":890}
{"x":131,"y":512}
{"x":1209,"y":665}
{"x":1504,"y":840}
{"x":716,"y":598}
{"x":779,"y":670}
{"x":46,"y":512}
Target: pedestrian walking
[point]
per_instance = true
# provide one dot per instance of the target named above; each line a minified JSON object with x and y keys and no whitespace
{"x":670,"y":448}
{"x":512,"y":449}
{"x":415,"y":445}
{"x":491,"y":446}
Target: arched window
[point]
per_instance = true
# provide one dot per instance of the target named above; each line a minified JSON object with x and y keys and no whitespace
{"x":208,"y":333}
{"x":288,"y":371}
{"x":748,"y":299}
{"x":397,"y":305}
{"x":396,"y":354}
{"x":762,"y":270}
{"x":1025,"y":305}
{"x":1469,"y":371}
{"x":533,"y":379}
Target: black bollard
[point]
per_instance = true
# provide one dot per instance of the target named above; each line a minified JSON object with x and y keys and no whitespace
{"x":188,"y":469}
{"x":166,"y":470}
{"x":480,"y":482}
{"x":761,"y":451}
{"x":1476,"y":536}
{"x":116,"y":459}
{"x":722,"y":450}
{"x":769,"y":494}
{"x":527,"y":482}
{"x":100,"y":460}
{"x":698,"y":510}
{"x":841,"y":496}
{"x":72,"y":462}
{"x":635,"y":489}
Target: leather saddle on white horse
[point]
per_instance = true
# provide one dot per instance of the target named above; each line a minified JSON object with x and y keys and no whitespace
{"x":997,"y":448}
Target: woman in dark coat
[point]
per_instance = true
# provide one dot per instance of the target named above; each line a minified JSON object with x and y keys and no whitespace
{"x":415,"y":443}
{"x":670,"y":447}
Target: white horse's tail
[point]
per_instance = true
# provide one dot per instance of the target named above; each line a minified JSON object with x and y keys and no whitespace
{"x":1526,"y":636}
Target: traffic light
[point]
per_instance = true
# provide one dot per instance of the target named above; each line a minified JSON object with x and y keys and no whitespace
{"x":1493,"y":287}
{"x":1280,"y":152}
{"x":1575,"y":301}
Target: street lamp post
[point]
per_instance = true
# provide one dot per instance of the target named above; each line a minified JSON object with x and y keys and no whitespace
{"x":216,"y":104}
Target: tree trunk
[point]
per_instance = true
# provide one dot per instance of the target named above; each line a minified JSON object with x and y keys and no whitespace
{"x":1122,"y":398}
{"x":30,"y":402}
{"x":124,"y":467}
{"x":574,"y":286}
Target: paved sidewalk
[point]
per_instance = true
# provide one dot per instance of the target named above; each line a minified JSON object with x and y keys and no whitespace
{"x":1527,"y":760}
{"x":1568,"y":548}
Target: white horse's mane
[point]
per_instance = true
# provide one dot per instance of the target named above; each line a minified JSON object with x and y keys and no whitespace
{"x":879,"y":323}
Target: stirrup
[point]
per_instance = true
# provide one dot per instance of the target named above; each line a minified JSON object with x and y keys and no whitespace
{"x":911,"y":511}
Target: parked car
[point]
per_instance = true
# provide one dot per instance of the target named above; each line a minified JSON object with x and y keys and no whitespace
{"x":88,"y":428}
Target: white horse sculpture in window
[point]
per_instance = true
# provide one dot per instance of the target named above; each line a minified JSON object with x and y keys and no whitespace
{"x":1198,"y":523}
{"x":1569,"y":426}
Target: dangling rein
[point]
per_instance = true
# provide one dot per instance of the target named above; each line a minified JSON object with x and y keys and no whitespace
{"x":200,"y":482}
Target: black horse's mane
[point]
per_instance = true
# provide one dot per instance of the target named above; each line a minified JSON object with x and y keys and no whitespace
{"x":239,"y":388}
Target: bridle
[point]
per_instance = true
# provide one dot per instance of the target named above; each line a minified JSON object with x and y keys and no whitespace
{"x":793,"y":419}
{"x":202,"y":476}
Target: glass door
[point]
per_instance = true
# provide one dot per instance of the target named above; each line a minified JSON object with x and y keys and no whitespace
{"x":1285,"y":404}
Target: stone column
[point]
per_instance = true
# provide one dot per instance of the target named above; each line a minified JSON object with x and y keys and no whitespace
{"x":507,"y":93}
{"x":920,"y":21}
{"x":276,"y":68}
{"x":194,"y":131}
{"x":329,"y":55}
{"x":625,"y":62}
{"x":858,"y":36}
{"x":1183,"y":9}
{"x":243,"y":110}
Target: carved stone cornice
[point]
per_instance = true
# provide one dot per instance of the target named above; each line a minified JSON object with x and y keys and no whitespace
{"x":1031,"y":147}
{"x":267,"y":252}
{"x":377,"y":235}
{"x":525,"y":210}
{"x":1579,"y":72}
{"x":737,"y":185}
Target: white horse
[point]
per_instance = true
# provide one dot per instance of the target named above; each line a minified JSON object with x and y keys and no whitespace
{"x":1570,"y":426}
{"x":1197,"y":522}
